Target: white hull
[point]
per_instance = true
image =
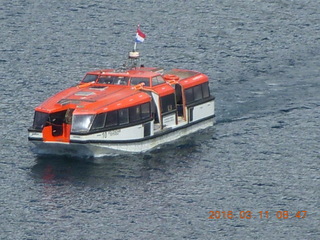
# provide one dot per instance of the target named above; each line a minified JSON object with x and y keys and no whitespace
{"x":114,"y":148}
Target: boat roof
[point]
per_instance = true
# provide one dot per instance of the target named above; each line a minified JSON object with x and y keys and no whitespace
{"x":188,"y":78}
{"x":137,"y":72}
{"x":94,"y":99}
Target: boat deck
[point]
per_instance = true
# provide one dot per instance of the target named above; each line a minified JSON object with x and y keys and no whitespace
{"x":181,"y":122}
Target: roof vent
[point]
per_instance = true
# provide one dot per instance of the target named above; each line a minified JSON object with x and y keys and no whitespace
{"x":82,"y":93}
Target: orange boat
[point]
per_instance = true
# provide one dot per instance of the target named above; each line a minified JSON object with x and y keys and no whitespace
{"x":132,"y":109}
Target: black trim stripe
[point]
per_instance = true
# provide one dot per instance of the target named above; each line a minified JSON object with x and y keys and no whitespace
{"x":115,"y":127}
{"x":202,"y":101}
{"x":35,"y":139}
{"x":164,"y":132}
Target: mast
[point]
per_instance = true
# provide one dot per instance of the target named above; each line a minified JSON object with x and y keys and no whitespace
{"x":134,"y":56}
{"x":135,"y":46}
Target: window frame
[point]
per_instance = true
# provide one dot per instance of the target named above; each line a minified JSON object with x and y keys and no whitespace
{"x":165,"y":100}
{"x":87,"y":75}
{"x":146,"y":114}
{"x":145,"y":80}
{"x":192,"y":94}
{"x":134,"y":114}
{"x":115,"y":123}
{"x":117,"y":118}
{"x":86,"y":128}
{"x":125,"y":117}
{"x":102,"y":124}
{"x":157,"y":81}
{"x":40,"y":120}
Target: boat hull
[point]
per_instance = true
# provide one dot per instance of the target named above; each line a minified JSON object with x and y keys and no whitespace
{"x":109,"y":148}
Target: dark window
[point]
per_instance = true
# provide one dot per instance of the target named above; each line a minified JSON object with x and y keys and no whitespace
{"x":134,"y":113}
{"x":157,"y":80}
{"x":40,"y":120}
{"x":189,"y":95}
{"x":123,"y":116}
{"x":191,"y":114}
{"x":205,"y":90}
{"x":168,"y":103}
{"x":90,"y":78}
{"x":112,"y":118}
{"x":146,"y":129}
{"x":57,"y":118}
{"x":99,"y":121}
{"x":178,"y":94}
{"x":136,"y":80}
{"x":122,"y":81}
{"x":115,"y":80}
{"x":106,"y":79}
{"x":145,"y":110}
{"x":197,"y":93}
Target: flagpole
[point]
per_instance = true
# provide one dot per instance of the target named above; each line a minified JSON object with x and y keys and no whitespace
{"x":135,"y":46}
{"x":134,"y":55}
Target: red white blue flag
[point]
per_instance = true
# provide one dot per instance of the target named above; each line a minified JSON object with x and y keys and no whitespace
{"x":140,"y":36}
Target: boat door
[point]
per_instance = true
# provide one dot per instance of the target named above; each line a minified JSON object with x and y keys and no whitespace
{"x":166,"y":111}
{"x":59,"y":126}
{"x":155,"y":109}
{"x":179,"y":100}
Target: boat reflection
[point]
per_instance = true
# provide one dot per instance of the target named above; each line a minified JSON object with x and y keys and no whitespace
{"x":60,"y":170}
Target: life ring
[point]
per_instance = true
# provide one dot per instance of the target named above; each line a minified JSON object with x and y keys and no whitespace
{"x":170,"y":77}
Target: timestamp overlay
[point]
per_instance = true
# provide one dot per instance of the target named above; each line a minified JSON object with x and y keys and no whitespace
{"x":263,"y":214}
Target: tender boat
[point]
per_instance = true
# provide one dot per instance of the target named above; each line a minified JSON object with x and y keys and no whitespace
{"x":128,"y":110}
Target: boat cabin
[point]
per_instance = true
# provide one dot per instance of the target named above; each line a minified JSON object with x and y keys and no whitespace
{"x":135,"y":104}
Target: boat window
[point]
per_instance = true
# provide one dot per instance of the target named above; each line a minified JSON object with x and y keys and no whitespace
{"x":157,"y":80}
{"x":112,"y":118}
{"x":145,"y":110}
{"x":189,"y":95}
{"x":99,"y":121}
{"x":106,"y":79}
{"x":40,"y":120}
{"x":205,"y":90}
{"x":90,"y":78}
{"x":81,"y":123}
{"x":138,"y":80}
{"x":57,"y":118}
{"x":134,"y":113}
{"x":115,"y":80}
{"x":123,"y":116}
{"x":168,"y":103}
{"x":197,"y":92}
{"x":178,"y":93}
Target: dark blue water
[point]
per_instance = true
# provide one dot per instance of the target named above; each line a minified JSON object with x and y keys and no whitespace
{"x":263,"y":60}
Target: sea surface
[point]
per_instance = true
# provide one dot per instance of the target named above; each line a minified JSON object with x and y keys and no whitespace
{"x":259,"y":164}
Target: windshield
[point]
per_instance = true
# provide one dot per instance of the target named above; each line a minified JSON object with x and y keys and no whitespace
{"x":138,"y":80}
{"x":90,"y":78}
{"x":81,"y":123}
{"x":115,"y":80}
{"x":40,"y":120}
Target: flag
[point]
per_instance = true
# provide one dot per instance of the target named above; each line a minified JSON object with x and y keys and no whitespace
{"x":140,"y":36}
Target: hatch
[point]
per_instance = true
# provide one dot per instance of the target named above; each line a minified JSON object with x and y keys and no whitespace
{"x":84,"y":93}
